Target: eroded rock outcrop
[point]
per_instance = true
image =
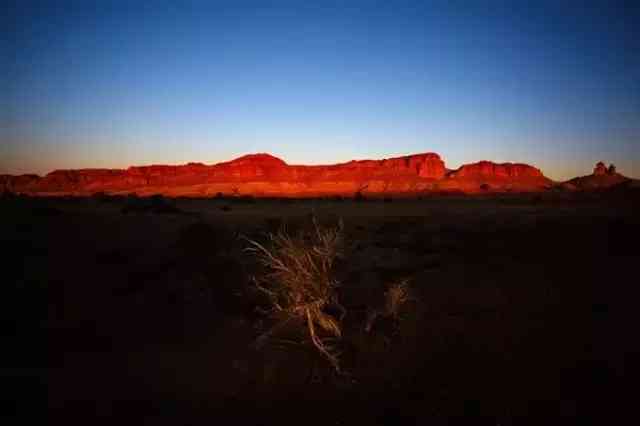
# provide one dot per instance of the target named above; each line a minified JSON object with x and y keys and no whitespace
{"x":428,"y":165}
{"x":487,"y":176}
{"x":602,"y":178}
{"x":600,"y":169}
{"x":265,"y":175}
{"x":493,"y":170}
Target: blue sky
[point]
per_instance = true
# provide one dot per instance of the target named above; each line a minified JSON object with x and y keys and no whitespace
{"x":112,"y":85}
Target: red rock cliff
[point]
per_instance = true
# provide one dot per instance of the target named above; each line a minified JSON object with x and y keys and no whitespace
{"x":493,"y":170}
{"x":266,"y":175}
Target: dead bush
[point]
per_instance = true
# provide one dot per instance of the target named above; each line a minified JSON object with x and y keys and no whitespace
{"x":395,"y":298}
{"x":298,"y":278}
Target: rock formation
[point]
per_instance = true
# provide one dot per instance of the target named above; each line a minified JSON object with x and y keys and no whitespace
{"x":265,"y":175}
{"x":602,"y":178}
{"x":493,"y":170}
{"x":600,"y":169}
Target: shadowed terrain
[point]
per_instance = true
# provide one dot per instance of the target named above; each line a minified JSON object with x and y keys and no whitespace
{"x":150,"y":313}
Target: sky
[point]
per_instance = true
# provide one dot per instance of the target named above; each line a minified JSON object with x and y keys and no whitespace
{"x":109,"y":84}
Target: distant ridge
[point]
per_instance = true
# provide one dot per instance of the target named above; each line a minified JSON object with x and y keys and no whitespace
{"x":264,"y":175}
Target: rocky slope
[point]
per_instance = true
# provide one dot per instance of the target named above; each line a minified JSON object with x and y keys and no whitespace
{"x":602,"y":178}
{"x":266,"y":175}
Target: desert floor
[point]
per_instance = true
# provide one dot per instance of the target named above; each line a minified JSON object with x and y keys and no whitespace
{"x":130,"y":309}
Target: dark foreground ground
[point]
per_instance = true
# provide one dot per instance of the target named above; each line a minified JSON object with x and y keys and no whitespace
{"x":132,"y":310}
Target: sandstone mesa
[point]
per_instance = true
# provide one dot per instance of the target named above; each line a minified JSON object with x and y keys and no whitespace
{"x":263,"y":175}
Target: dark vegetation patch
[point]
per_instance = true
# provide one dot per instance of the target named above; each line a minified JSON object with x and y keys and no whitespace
{"x":156,"y":204}
{"x":235,"y":198}
{"x":105,"y":198}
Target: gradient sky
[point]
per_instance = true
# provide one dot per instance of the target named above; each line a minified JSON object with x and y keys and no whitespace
{"x":557,"y":86}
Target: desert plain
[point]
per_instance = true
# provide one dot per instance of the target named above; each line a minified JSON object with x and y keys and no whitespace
{"x":150,"y":311}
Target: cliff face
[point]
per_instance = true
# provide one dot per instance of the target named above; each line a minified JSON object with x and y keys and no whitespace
{"x":500,"y":171}
{"x":266,"y":175}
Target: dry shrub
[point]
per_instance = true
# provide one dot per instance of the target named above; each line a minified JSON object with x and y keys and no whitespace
{"x":299,"y":281}
{"x":396,"y":296}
